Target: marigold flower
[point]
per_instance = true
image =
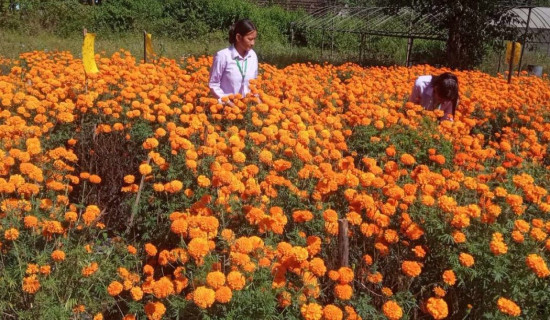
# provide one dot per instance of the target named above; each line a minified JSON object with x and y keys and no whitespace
{"x":115,"y":288}
{"x":31,"y":284}
{"x":30,"y":221}
{"x":466,"y":260}
{"x":392,"y":310}
{"x":154,"y":310}
{"x":343,"y":291}
{"x":136,"y":293}
{"x":437,"y":308}
{"x":150,"y":249}
{"x":311,"y":311}
{"x":538,"y":265}
{"x":235,"y":280}
{"x":332,"y":312}
{"x":145,"y":169}
{"x":508,"y":307}
{"x":224,"y":294}
{"x":449,"y":277}
{"x":215,"y":279}
{"x":94,"y":178}
{"x":411,"y":268}
{"x":11,"y":234}
{"x":58,"y":255}
{"x":204,"y":297}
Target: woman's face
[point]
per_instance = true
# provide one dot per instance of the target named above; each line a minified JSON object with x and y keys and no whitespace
{"x":246,"y":42}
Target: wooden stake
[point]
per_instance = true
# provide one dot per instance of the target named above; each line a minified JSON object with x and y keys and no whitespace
{"x":144,"y":46}
{"x":511,"y":62}
{"x":343,"y":242}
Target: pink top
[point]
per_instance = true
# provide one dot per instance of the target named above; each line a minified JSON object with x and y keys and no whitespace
{"x":231,"y":72}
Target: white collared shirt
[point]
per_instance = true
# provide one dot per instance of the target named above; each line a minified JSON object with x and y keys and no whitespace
{"x":226,"y":77}
{"x":422,"y":92}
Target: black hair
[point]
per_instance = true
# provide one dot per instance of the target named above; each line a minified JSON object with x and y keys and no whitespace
{"x":242,"y":27}
{"x":446,"y":86}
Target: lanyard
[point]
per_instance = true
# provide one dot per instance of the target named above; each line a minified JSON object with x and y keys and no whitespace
{"x":243,"y":72}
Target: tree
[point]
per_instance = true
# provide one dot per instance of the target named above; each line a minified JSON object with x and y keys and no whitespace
{"x":473,"y":25}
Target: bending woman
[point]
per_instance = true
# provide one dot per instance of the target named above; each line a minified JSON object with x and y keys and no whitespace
{"x":437,"y":93}
{"x":234,"y":66}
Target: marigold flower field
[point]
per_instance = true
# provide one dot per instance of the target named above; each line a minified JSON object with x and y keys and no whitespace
{"x":132,"y":194}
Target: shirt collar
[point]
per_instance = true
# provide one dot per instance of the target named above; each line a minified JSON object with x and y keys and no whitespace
{"x":235,"y":54}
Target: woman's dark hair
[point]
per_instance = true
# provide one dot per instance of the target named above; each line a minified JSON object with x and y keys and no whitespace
{"x":242,"y":27}
{"x":446,"y":86}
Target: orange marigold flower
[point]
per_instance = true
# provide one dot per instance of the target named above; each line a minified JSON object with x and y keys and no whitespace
{"x":411,"y":268}
{"x":311,"y":311}
{"x":392,"y":310}
{"x":30,"y":221}
{"x":198,"y":248}
{"x":204,"y":297}
{"x":387,"y":292}
{"x":343,"y":291}
{"x":58,"y":255}
{"x":145,"y":169}
{"x":437,"y":308}
{"x":131,"y":249}
{"x":115,"y":288}
{"x":466,"y":260}
{"x":508,"y":307}
{"x":94,"y":178}
{"x":346,"y":275}
{"x":215,"y":279}
{"x":129,"y":179}
{"x":407,"y":159}
{"x":31,"y":284}
{"x":332,"y":312}
{"x":11,"y":234}
{"x":163,"y":288}
{"x":150,"y":249}
{"x":449,"y":277}
{"x":538,"y":265}
{"x":235,"y":280}
{"x":224,"y":294}
{"x":136,"y":293}
{"x":154,"y":310}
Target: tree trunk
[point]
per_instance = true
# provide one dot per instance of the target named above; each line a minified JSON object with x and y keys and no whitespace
{"x":454,"y":46}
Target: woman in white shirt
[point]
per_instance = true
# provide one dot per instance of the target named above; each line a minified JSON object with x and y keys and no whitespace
{"x":437,"y":92}
{"x":234,"y":66}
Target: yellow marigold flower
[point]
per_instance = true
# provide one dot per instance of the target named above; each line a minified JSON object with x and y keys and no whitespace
{"x":11,"y":234}
{"x":129,"y":179}
{"x":203,"y":181}
{"x":235,"y":280}
{"x":392,"y":310}
{"x":145,"y":169}
{"x":154,"y":310}
{"x":58,"y":255}
{"x":508,"y":307}
{"x":204,"y":297}
{"x":311,"y":311}
{"x":332,"y":312}
{"x":224,"y":294}
{"x":466,"y":260}
{"x":437,"y":308}
{"x":115,"y":288}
